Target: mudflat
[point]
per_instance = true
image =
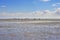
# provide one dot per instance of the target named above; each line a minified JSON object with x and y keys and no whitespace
{"x":29,"y":31}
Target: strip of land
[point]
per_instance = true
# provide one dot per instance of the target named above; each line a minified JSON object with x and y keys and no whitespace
{"x":30,"y":20}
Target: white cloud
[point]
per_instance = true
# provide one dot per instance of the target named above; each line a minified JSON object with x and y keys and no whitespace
{"x":53,"y":5}
{"x":56,"y":4}
{"x":45,"y":0}
{"x":36,"y":14}
{"x":58,"y":11}
{"x":48,"y":13}
{"x":19,"y":15}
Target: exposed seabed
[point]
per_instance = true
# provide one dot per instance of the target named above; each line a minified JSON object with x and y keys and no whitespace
{"x":29,"y":31}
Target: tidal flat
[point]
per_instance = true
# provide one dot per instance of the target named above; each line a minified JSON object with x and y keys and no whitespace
{"x":29,"y":31}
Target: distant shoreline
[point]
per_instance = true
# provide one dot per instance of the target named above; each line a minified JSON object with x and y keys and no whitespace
{"x":31,"y":20}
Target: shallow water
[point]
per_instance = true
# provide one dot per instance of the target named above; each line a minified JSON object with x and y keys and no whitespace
{"x":29,"y":31}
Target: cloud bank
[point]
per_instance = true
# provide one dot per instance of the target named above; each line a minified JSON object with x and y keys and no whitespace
{"x":35,"y":14}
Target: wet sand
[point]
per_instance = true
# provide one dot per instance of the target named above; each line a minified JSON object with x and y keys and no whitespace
{"x":29,"y":31}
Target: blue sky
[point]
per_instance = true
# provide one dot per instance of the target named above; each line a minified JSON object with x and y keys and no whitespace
{"x":28,"y":6}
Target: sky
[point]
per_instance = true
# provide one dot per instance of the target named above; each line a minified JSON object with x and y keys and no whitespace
{"x":29,"y":8}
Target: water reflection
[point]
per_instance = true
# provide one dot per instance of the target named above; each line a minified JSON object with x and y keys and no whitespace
{"x":28,"y":31}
